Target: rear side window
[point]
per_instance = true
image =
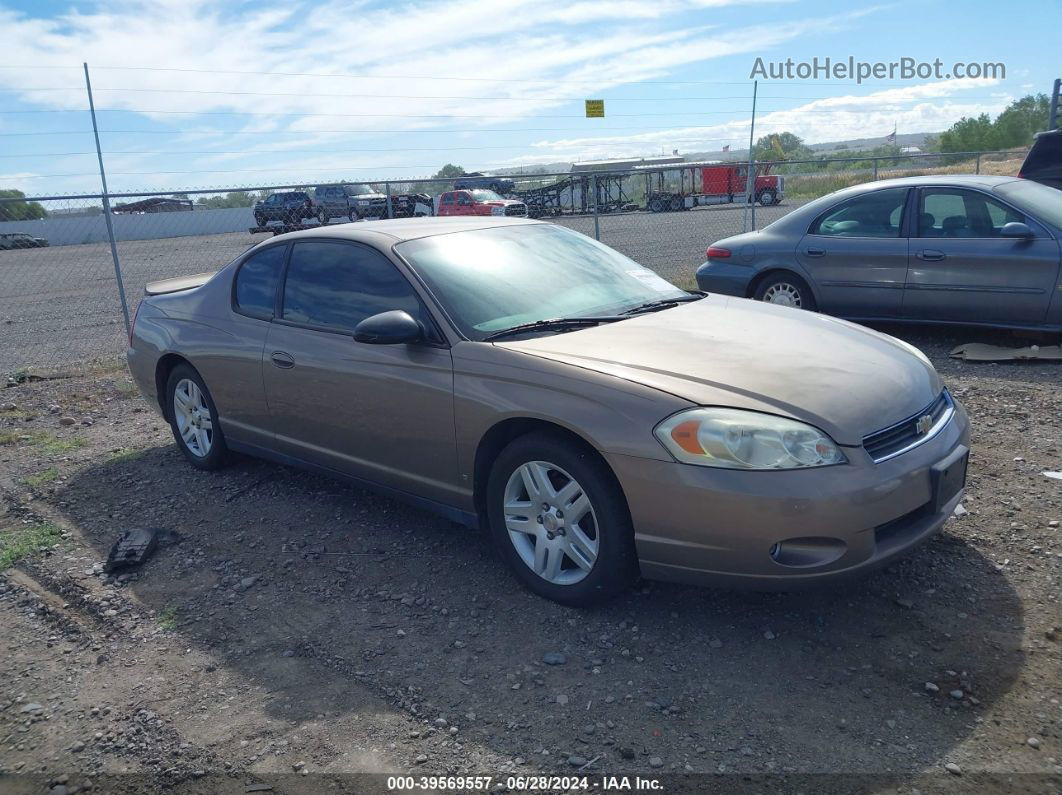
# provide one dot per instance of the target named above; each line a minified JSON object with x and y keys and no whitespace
{"x":256,"y":282}
{"x":875,"y":214}
{"x":953,"y":212}
{"x":337,"y":285}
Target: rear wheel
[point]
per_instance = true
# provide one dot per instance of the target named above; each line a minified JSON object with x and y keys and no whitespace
{"x":260,"y":220}
{"x":767,"y":198}
{"x":560,"y":520}
{"x":785,"y":289}
{"x":657,"y":204}
{"x":354,"y":215}
{"x":194,"y":419}
{"x":322,"y":216}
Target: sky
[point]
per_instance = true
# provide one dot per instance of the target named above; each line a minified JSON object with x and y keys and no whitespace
{"x":193,"y":94}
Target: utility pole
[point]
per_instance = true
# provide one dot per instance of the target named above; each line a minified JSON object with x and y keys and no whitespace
{"x":107,"y":203}
{"x":1052,"y":119}
{"x":750,"y":182}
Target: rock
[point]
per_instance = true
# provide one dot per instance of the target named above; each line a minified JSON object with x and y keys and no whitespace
{"x":247,"y":582}
{"x":626,"y":752}
{"x":956,"y":694}
{"x":959,"y":511}
{"x":715,"y":643}
{"x":54,"y":408}
{"x":441,"y":723}
{"x":1033,"y":742}
{"x":289,"y":653}
{"x":77,"y":747}
{"x":68,"y":420}
{"x":562,"y":699}
{"x":576,"y":761}
{"x":906,"y":604}
{"x":768,"y":635}
{"x":421,"y":759}
{"x":8,"y":407}
{"x":953,"y":768}
{"x":932,"y":688}
{"x":554,"y":658}
{"x":1052,"y":634}
{"x":656,"y":761}
{"x":32,"y":709}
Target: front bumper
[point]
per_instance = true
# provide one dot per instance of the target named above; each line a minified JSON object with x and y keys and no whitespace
{"x":718,"y":527}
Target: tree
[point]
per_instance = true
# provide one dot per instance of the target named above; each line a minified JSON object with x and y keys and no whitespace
{"x":19,"y":210}
{"x":449,"y":171}
{"x":1014,"y":127}
{"x":236,"y":198}
{"x":780,"y":146}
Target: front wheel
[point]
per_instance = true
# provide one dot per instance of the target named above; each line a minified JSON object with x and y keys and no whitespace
{"x":194,"y":419}
{"x":785,"y":289}
{"x":354,"y":215}
{"x":322,"y":216}
{"x":260,"y":220}
{"x":560,"y":520}
{"x":767,"y":198}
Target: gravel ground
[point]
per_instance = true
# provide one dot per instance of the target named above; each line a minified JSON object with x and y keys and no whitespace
{"x":301,"y":630}
{"x":60,"y":309}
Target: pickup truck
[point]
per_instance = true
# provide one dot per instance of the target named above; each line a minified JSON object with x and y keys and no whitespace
{"x":478,"y":202}
{"x":289,"y":208}
{"x":351,"y":201}
{"x":488,"y":181}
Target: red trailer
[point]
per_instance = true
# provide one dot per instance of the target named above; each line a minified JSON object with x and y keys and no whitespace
{"x":700,"y":184}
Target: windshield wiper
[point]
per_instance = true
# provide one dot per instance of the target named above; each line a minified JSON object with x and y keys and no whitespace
{"x":663,"y":303}
{"x":553,"y":324}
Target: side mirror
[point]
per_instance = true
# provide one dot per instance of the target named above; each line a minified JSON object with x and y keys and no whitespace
{"x":1016,"y":229}
{"x":389,"y":328}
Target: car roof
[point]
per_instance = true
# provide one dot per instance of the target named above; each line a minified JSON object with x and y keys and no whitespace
{"x":955,"y":180}
{"x":399,"y":229}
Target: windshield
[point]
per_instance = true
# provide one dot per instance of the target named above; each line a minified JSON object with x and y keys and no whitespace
{"x":1038,"y":200}
{"x":484,"y":195}
{"x":492,"y":279}
{"x":358,"y":190}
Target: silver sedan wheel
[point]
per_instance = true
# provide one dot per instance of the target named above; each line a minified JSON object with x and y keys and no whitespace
{"x":193,"y":417}
{"x":784,"y":294}
{"x":551,"y":522}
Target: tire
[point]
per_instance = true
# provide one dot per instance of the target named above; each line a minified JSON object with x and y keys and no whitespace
{"x":767,"y":198}
{"x":353,"y":215}
{"x":322,"y":216}
{"x":657,"y":205}
{"x":593,"y":557}
{"x":204,"y":448}
{"x":676,"y":203}
{"x":785,"y":289}
{"x":260,"y":220}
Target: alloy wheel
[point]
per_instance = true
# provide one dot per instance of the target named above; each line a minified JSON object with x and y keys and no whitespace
{"x":192,"y":414}
{"x":551,"y":522}
{"x":784,"y":294}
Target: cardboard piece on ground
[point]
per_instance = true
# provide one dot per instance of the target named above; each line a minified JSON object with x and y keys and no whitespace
{"x":980,"y":352}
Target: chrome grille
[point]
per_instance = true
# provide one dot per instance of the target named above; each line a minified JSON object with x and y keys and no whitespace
{"x":906,"y":434}
{"x":516,"y":209}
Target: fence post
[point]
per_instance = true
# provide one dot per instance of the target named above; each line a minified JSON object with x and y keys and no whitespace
{"x":387,"y":185}
{"x":597,"y":221}
{"x":875,"y":169}
{"x":107,"y":204}
{"x":977,"y":169}
{"x":750,"y":181}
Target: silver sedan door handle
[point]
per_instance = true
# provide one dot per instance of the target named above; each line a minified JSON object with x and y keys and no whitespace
{"x":930,"y":255}
{"x":282,"y":360}
{"x":815,"y":252}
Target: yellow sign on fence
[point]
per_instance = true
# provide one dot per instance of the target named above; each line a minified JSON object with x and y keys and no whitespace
{"x":595,"y":108}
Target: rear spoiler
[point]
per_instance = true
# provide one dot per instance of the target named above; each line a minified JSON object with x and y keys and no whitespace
{"x":177,"y":284}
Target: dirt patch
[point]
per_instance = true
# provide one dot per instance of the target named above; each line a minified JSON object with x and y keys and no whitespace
{"x":304,"y":625}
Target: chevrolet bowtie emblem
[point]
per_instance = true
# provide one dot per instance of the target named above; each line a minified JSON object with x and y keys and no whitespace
{"x":923,"y":424}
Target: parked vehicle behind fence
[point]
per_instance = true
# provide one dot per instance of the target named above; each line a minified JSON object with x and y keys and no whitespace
{"x":600,"y":421}
{"x":975,"y":250}
{"x":292,"y":207}
{"x":13,"y":240}
{"x":497,"y":184}
{"x":352,"y":201}
{"x":479,"y":201}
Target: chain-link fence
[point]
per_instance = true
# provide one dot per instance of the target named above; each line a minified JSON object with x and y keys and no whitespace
{"x":60,"y":309}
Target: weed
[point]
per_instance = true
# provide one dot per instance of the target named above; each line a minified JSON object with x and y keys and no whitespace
{"x":38,"y":479}
{"x":19,"y":542}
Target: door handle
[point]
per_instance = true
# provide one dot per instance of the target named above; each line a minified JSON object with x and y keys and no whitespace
{"x":282,"y":360}
{"x":815,"y":252}
{"x":931,"y":255}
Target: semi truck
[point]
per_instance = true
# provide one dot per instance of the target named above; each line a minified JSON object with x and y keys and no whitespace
{"x":700,"y":184}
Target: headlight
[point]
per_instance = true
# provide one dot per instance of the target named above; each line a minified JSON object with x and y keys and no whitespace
{"x":497,"y":211}
{"x":737,"y":439}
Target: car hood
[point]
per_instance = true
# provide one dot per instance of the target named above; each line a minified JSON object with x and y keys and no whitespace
{"x":843,"y":378}
{"x":369,"y":196}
